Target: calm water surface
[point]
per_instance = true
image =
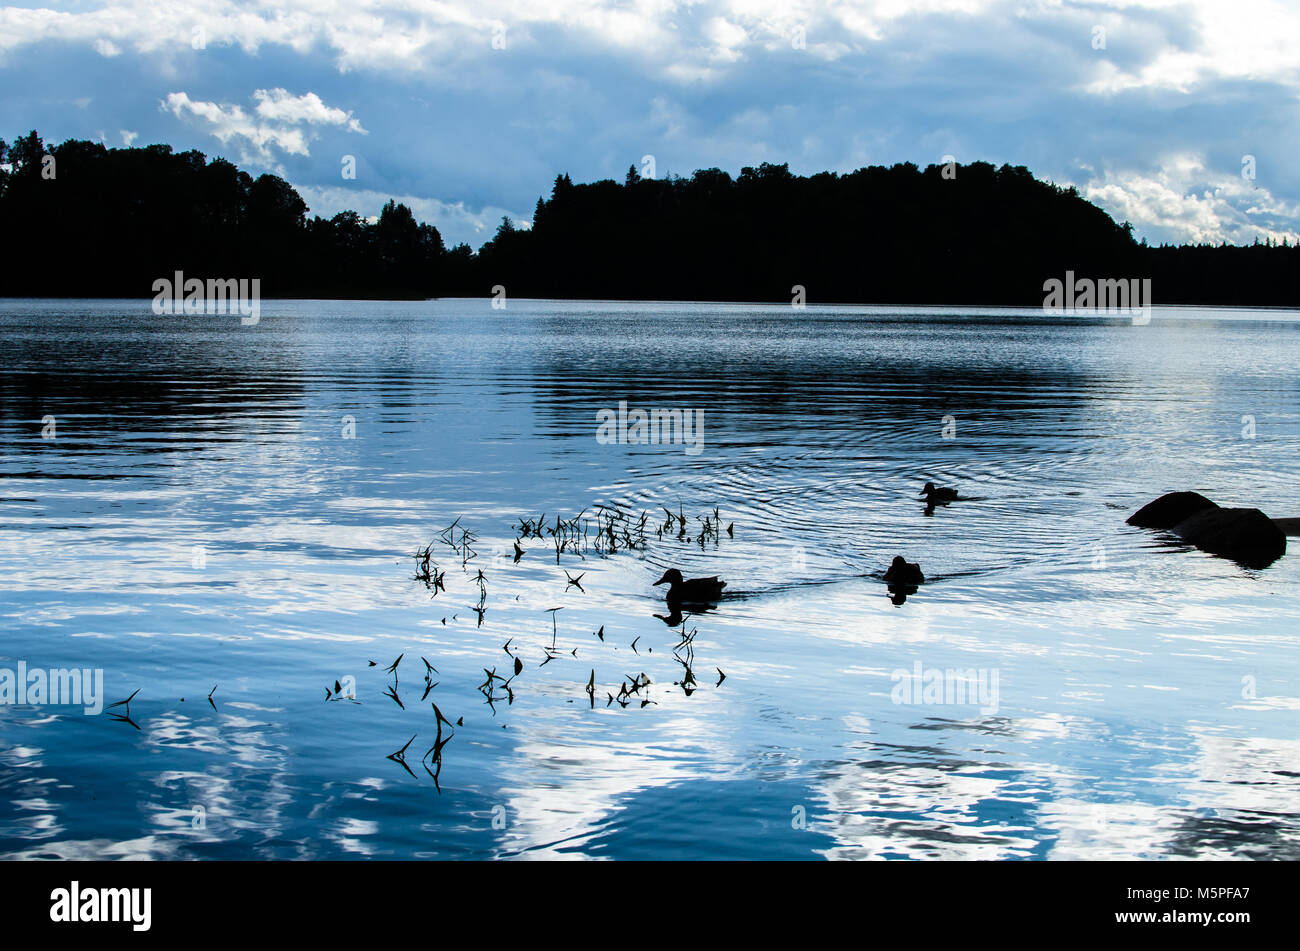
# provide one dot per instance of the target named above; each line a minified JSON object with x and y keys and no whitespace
{"x":239,"y":506}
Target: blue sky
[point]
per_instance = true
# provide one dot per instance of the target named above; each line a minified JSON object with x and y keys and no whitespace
{"x":467,"y":110}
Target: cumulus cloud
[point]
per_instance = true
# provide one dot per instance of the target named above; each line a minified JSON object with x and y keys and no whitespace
{"x":278,"y":121}
{"x":1205,"y":40}
{"x":590,"y":86}
{"x":278,"y":105}
{"x":1187,"y":40}
{"x":1182,"y":201}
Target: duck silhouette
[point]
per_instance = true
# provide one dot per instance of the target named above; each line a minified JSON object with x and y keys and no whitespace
{"x":903,"y":577}
{"x":903,"y":573}
{"x":692,"y":591}
{"x":1244,"y":535}
{"x":938,"y":496}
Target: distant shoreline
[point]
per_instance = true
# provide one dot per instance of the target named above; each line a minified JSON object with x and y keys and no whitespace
{"x":99,"y":222}
{"x":814,"y":304}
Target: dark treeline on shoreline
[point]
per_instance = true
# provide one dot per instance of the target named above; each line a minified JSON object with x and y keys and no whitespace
{"x":86,"y":220}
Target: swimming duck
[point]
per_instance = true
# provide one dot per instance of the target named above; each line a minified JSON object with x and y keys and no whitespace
{"x":903,"y":572}
{"x":693,"y":591}
{"x":1244,"y":535}
{"x":940,"y":496}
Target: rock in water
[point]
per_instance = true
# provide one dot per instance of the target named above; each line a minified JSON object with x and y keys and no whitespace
{"x":1168,"y":510}
{"x":1247,"y":536}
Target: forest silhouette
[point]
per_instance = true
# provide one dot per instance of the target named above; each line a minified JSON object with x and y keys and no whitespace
{"x":82,"y":219}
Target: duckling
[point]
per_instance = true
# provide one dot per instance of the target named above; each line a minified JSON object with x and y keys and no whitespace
{"x":938,"y":496}
{"x":692,"y":591}
{"x":903,"y":572}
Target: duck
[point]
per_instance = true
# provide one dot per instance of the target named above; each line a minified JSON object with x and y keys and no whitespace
{"x":692,"y":591}
{"x":1244,"y":535}
{"x":904,"y":573}
{"x":938,"y":496}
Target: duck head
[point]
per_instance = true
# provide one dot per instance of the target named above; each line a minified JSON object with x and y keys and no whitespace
{"x":929,"y":489}
{"x":898,"y":562}
{"x":671,"y":576}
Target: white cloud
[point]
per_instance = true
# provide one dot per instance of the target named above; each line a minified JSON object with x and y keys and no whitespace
{"x":278,"y":105}
{"x":691,"y":39}
{"x":1183,"y":201}
{"x":276,"y":122}
{"x":726,"y":38}
{"x":1244,"y":40}
{"x":588,"y":86}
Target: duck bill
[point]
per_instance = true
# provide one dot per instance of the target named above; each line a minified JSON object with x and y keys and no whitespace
{"x":662,"y":580}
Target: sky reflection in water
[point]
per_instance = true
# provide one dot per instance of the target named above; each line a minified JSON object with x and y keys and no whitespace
{"x":1146,"y":695}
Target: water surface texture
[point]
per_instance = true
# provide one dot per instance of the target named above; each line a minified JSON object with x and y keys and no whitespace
{"x":186,"y":502}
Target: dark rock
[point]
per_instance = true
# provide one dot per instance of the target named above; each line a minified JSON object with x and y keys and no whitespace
{"x":1168,"y":510}
{"x":1247,"y":536}
{"x":1291,"y":526}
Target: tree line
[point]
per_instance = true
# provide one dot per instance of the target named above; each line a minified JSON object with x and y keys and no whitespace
{"x":86,"y":220}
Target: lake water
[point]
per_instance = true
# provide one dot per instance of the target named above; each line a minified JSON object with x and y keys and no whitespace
{"x":187,"y":502}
